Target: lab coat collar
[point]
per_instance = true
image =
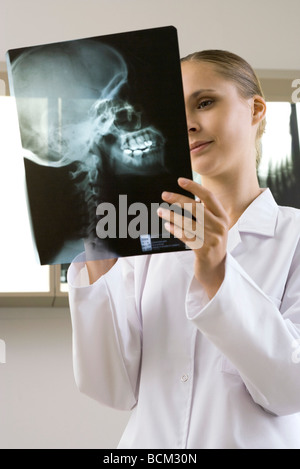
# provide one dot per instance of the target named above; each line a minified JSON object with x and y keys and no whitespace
{"x":260,"y":217}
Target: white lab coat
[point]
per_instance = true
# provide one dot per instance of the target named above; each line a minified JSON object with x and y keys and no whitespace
{"x":223,"y":373}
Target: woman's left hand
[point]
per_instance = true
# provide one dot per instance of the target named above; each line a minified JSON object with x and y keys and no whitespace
{"x":206,"y":234}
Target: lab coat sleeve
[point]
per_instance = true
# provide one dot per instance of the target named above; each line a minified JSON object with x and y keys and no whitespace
{"x":106,"y":334}
{"x":257,"y":340}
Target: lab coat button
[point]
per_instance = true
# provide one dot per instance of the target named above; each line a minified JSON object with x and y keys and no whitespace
{"x":184,"y":378}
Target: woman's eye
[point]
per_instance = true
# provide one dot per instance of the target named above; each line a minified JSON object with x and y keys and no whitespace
{"x":204,"y":103}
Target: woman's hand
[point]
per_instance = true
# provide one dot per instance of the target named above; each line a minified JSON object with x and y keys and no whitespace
{"x":207,"y":235}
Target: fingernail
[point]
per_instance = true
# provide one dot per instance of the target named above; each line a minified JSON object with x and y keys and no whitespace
{"x":183,"y":181}
{"x":166,"y":195}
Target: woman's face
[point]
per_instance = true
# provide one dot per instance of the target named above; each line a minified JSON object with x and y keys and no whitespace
{"x":220,"y":128}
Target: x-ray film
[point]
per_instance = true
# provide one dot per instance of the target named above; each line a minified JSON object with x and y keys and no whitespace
{"x":103,"y":133}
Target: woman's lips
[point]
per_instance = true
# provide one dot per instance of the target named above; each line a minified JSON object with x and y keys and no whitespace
{"x":199,"y":146}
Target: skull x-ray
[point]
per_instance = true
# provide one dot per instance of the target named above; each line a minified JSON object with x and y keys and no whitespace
{"x":99,"y":118}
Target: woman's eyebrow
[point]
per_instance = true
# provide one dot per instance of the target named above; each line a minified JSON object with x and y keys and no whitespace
{"x":201,"y":91}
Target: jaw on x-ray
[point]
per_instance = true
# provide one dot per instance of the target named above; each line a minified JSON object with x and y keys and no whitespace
{"x":73,"y":115}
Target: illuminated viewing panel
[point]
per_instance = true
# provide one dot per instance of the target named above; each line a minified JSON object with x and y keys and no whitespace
{"x":19,"y":271}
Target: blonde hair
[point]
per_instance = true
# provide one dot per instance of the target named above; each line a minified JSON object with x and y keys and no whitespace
{"x":236,"y":69}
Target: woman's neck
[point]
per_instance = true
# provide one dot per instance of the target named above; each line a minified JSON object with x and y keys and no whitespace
{"x":235,"y":193}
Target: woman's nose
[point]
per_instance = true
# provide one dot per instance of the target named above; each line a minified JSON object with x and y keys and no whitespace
{"x":193,"y":127}
{"x":192,"y":124}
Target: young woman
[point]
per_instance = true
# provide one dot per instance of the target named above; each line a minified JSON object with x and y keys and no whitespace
{"x":203,"y":345}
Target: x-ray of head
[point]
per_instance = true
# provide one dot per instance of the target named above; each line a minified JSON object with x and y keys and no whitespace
{"x":90,"y":117}
{"x":75,"y":110}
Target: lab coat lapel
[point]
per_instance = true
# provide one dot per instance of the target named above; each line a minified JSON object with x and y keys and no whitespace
{"x":259,"y":218}
{"x":234,"y":238}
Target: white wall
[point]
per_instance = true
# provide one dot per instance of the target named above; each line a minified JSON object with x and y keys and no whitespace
{"x":265,"y":32}
{"x":40,"y":406}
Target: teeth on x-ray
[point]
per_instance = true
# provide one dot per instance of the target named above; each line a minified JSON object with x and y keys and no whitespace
{"x":128,"y":142}
{"x":139,"y":144}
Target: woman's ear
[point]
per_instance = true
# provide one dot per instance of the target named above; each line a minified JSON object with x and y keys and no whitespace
{"x":259,"y":108}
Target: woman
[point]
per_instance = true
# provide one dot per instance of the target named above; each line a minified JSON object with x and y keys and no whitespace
{"x":203,"y":345}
